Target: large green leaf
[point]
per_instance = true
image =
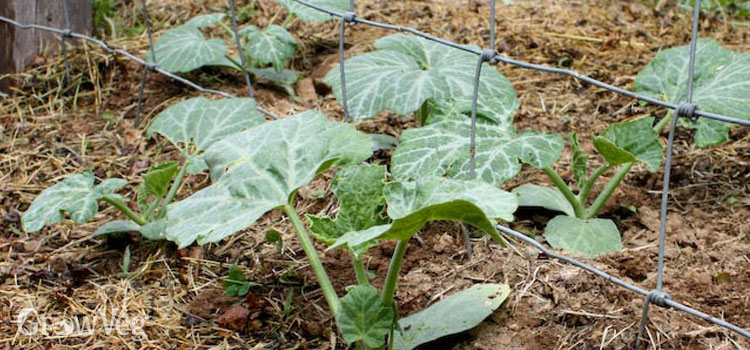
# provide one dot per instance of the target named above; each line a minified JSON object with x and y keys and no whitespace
{"x":454,"y":314}
{"x":184,"y":49}
{"x":76,"y":194}
{"x":407,"y":70}
{"x":587,"y":237}
{"x":629,"y":142}
{"x":442,"y":148}
{"x":201,"y":122}
{"x":309,"y":14}
{"x":359,"y":189}
{"x":412,"y":204}
{"x":363,"y":317}
{"x":259,"y":169}
{"x":721,"y":85}
{"x":539,"y":196}
{"x":204,"y":20}
{"x":272,"y":45}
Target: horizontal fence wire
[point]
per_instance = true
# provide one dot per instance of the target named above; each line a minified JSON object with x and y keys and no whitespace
{"x":492,"y":57}
{"x":131,"y":57}
{"x":656,"y":296}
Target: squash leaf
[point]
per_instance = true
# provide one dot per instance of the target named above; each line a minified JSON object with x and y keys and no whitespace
{"x":363,"y":317}
{"x":630,"y":142}
{"x":587,"y":237}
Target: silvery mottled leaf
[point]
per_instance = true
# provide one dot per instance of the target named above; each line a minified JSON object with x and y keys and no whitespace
{"x":76,"y":195}
{"x":721,"y":84}
{"x":412,"y":204}
{"x":363,"y":317}
{"x":442,"y":148}
{"x":406,"y":71}
{"x":544,"y":197}
{"x":258,"y":169}
{"x":184,"y":49}
{"x":629,"y":142}
{"x":454,"y":314}
{"x":201,"y":122}
{"x":204,"y":20}
{"x":271,"y":45}
{"x":587,"y":237}
{"x":309,"y":14}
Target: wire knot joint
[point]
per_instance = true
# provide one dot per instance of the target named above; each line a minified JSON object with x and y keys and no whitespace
{"x":658,"y":297}
{"x":488,"y":55}
{"x":687,"y":110}
{"x":349,"y":17}
{"x":150,"y":66}
{"x":67,"y":33}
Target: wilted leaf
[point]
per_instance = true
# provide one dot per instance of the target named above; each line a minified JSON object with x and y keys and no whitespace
{"x":587,"y":237}
{"x":454,"y":314}
{"x":258,"y":169}
{"x":442,"y":148}
{"x":539,"y":196}
{"x":76,"y":195}
{"x":363,"y":317}
{"x":407,"y":70}
{"x":629,"y":142}
{"x":721,"y":84}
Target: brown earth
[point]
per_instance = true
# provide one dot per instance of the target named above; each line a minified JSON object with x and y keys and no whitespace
{"x":48,"y":132}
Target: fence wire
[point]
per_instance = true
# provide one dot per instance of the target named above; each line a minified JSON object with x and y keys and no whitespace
{"x":656,"y":296}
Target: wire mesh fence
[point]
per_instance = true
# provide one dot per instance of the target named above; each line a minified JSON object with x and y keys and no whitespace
{"x":656,"y":296}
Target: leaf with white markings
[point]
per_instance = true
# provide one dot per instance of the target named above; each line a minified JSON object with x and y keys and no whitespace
{"x":76,"y":195}
{"x":442,"y":148}
{"x":363,"y":317}
{"x":721,"y":84}
{"x":259,"y":169}
{"x":200,"y":122}
{"x":629,"y":142}
{"x":184,"y":49}
{"x":587,"y":237}
{"x":309,"y":14}
{"x":539,"y":196}
{"x":454,"y":314}
{"x":406,"y":71}
{"x":359,"y":189}
{"x":204,"y":20}
{"x":412,"y":204}
{"x":271,"y":45}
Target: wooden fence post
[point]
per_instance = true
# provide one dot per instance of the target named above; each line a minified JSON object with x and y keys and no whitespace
{"x":19,"y":46}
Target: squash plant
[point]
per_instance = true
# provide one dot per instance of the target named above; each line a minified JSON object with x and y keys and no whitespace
{"x":192,"y":125}
{"x":260,"y":169}
{"x":185,"y":48}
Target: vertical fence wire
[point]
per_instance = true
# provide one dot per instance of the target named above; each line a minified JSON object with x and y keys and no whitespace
{"x":146,"y":68}
{"x":238,"y":41}
{"x":658,"y":296}
{"x":64,"y":49}
{"x":347,"y":18}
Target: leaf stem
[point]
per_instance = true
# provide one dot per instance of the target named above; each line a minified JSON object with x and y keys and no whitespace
{"x":173,"y":190}
{"x":359,"y":270}
{"x":226,"y":28}
{"x":312,"y":256}
{"x":602,"y":198}
{"x":584,"y":193}
{"x":659,"y":127}
{"x":391,"y":279}
{"x":234,"y":62}
{"x":565,"y":190}
{"x":121,"y":206}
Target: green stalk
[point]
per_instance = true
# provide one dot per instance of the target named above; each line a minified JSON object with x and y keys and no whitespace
{"x":226,"y":27}
{"x":151,"y":208}
{"x":121,"y":206}
{"x":602,"y":198}
{"x":391,"y":279}
{"x":359,"y":270}
{"x":173,"y":190}
{"x":287,"y":21}
{"x":238,"y":65}
{"x":583,"y":195}
{"x":563,"y":187}
{"x":312,"y":256}
{"x":663,"y":122}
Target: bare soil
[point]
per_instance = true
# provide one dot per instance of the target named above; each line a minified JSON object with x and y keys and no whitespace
{"x":47,"y":132}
